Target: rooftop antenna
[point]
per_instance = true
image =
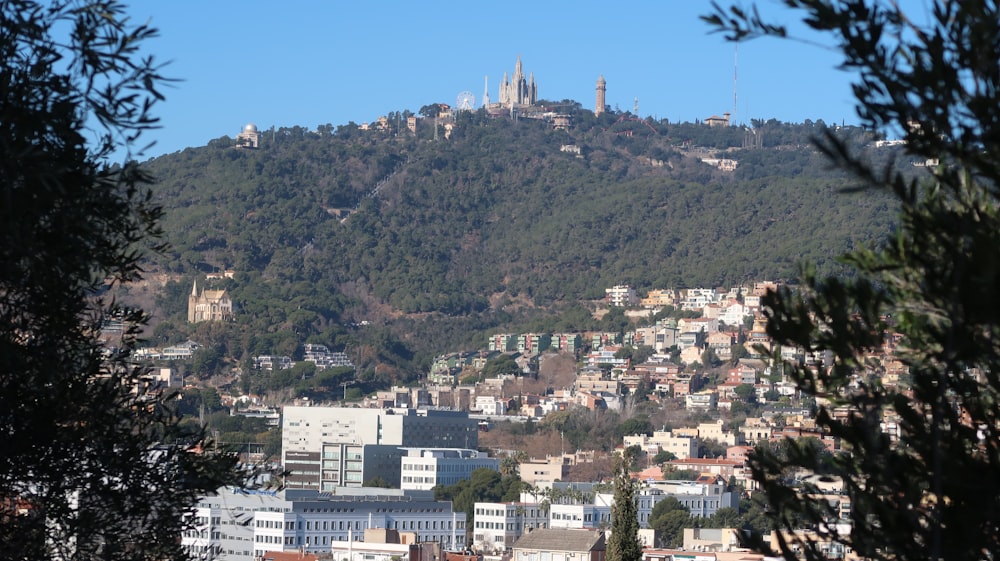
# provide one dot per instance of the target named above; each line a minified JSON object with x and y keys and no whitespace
{"x":736,"y":52}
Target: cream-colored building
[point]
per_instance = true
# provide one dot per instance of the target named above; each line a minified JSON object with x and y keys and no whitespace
{"x":249,"y":137}
{"x":209,"y":305}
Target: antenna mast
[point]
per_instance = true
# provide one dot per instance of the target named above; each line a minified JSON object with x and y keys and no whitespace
{"x":736,"y":52}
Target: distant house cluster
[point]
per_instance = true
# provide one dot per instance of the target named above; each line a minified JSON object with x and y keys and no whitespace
{"x":320,"y":355}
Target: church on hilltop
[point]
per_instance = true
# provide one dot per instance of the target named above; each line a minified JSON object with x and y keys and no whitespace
{"x":517,"y":90}
{"x":209,"y":305}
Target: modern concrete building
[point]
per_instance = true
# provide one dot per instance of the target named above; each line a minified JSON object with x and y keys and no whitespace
{"x":326,"y":447}
{"x":240,"y":525}
{"x":423,"y":468}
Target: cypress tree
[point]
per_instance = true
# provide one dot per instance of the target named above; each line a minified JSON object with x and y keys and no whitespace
{"x":624,"y":544}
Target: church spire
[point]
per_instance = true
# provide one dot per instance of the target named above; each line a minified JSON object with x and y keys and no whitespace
{"x":194,"y":288}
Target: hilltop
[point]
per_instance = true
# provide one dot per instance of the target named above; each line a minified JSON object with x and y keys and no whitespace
{"x":432,"y":239}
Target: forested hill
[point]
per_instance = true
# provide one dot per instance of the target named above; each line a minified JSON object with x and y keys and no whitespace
{"x":441,"y":239}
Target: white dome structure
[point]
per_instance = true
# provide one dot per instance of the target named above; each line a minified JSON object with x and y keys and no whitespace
{"x":249,"y":138}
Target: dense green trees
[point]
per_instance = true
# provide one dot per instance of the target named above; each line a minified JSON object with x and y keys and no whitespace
{"x":492,"y":229}
{"x":933,"y":490}
{"x":97,"y":467}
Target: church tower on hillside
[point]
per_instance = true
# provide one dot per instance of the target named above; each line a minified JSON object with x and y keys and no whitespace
{"x":209,"y":305}
{"x":518,"y":90}
{"x":602,"y":88}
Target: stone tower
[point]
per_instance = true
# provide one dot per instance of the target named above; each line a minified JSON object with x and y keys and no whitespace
{"x":602,"y":87}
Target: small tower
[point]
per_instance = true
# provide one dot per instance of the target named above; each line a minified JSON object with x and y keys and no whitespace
{"x":602,"y":87}
{"x":193,"y":302}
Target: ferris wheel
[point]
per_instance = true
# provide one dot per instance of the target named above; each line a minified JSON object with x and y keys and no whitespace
{"x":465,"y":101}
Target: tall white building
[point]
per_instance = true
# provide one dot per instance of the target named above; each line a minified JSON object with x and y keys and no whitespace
{"x":238,"y":525}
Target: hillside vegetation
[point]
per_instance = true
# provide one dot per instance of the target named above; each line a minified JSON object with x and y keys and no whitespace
{"x":434,"y":242}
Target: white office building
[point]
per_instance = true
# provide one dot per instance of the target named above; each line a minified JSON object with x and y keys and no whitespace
{"x":423,"y":468}
{"x":316,"y":442}
{"x":239,"y":525}
{"x":498,"y":525}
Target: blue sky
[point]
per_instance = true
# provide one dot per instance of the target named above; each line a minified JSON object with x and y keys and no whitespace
{"x":309,"y":63}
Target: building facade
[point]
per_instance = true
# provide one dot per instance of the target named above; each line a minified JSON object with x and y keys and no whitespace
{"x":240,"y":525}
{"x":209,"y":305}
{"x":499,"y":525}
{"x":424,"y":468}
{"x":317,"y":442}
{"x":518,"y":90}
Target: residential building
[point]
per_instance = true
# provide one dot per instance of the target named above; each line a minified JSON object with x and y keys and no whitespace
{"x":606,"y":356}
{"x":721,"y":343}
{"x":423,"y":468}
{"x":503,"y":342}
{"x":662,"y":336}
{"x":594,"y":380}
{"x":698,"y":325}
{"x":659,"y":299}
{"x":273,"y":363}
{"x":734,"y":313}
{"x":552,"y":469}
{"x":180,"y":351}
{"x":323,"y":358}
{"x":533,"y":343}
{"x":491,"y":405}
{"x":698,"y":298}
{"x":567,"y":342}
{"x":680,"y":445}
{"x":621,"y":295}
{"x":705,"y":400}
{"x":600,"y":340}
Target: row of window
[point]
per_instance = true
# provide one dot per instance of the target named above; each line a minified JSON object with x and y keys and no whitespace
{"x":409,"y":479}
